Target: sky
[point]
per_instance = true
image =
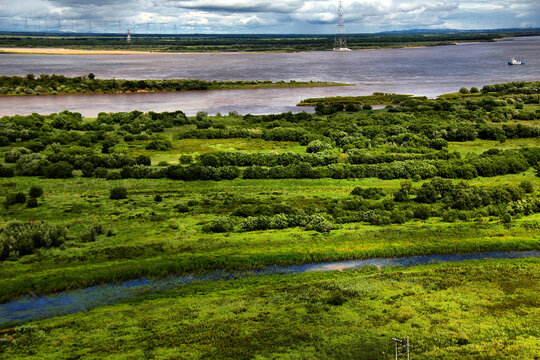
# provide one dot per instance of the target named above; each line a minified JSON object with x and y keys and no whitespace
{"x":263,"y":16}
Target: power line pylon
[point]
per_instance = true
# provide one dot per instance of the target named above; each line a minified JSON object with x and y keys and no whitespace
{"x":340,"y":42}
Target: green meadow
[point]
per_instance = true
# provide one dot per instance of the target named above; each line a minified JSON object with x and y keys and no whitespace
{"x":472,"y":310}
{"x":123,"y":196}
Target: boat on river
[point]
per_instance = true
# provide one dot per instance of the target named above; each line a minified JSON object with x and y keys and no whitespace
{"x":515,"y":62}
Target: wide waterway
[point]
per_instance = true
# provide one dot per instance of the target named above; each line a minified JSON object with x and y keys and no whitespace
{"x":420,"y":71}
{"x":34,"y":308}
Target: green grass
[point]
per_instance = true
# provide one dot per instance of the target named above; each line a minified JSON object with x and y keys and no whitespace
{"x":472,"y":310}
{"x":480,"y":146}
{"x":153,"y":239}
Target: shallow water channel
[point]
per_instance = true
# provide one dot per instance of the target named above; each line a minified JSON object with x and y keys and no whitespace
{"x":35,"y":308}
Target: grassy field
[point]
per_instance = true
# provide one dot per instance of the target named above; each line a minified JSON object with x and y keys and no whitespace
{"x":451,"y":175}
{"x":472,"y":310}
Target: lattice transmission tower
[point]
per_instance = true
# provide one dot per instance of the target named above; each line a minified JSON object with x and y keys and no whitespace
{"x":340,"y":42}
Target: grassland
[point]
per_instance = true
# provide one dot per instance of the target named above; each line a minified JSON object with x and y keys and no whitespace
{"x":452,"y":175}
{"x":472,"y":310}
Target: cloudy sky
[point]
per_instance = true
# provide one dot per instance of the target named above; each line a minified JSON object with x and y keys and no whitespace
{"x":263,"y":16}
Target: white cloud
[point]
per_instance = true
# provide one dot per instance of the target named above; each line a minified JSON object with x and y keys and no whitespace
{"x":275,"y":16}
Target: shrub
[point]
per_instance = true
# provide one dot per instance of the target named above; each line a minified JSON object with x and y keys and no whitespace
{"x":464,"y":90}
{"x":32,"y":203}
{"x":367,"y":107}
{"x":15,"y":154}
{"x":220,"y":224}
{"x":113,"y":175}
{"x":35,"y":191}
{"x":186,"y":159}
{"x":159,"y":145}
{"x":201,"y":115}
{"x":31,"y":164}
{"x":143,"y":160}
{"x":320,"y":224}
{"x":158,"y":198}
{"x":369,"y":193}
{"x":422,"y":212}
{"x":19,"y":238}
{"x":318,"y":146}
{"x":182,"y":208}
{"x":93,"y":232}
{"x":527,"y":186}
{"x":118,"y":193}
{"x":100,"y":173}
{"x":6,"y":172}
{"x":18,"y":198}
{"x":60,"y":170}
{"x":163,"y":163}
{"x":474,"y":90}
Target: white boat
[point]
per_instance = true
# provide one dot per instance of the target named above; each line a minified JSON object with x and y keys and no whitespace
{"x":515,"y":62}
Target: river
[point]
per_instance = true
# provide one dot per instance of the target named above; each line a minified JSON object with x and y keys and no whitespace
{"x":427,"y":71}
{"x":67,"y":302}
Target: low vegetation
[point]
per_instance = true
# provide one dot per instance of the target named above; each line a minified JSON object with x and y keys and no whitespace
{"x":133,"y":195}
{"x":247,"y":42}
{"x":153,"y":194}
{"x":473,"y":310}
{"x":60,"y":85}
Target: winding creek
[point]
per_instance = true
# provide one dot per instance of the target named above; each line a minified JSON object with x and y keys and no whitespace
{"x":68,"y":302}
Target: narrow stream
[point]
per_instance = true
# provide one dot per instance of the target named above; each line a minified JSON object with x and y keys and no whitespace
{"x":68,"y":302}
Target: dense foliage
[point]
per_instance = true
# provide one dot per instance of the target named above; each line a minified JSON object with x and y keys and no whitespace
{"x":59,"y":84}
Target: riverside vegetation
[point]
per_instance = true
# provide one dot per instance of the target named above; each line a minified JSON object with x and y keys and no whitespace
{"x":61,"y":85}
{"x":128,"y":195}
{"x":247,"y":42}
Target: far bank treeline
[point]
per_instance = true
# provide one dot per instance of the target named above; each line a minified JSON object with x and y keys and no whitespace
{"x":45,"y":84}
{"x":249,"y":42}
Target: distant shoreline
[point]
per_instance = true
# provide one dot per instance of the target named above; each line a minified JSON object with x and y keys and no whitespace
{"x":64,"y":51}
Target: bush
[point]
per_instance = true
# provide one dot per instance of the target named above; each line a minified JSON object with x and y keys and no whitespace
{"x":464,"y":90}
{"x":18,"y":238}
{"x":159,"y":145}
{"x":118,"y":193}
{"x":369,"y":193}
{"x":143,"y":160}
{"x":320,"y":224}
{"x":182,"y":208}
{"x":163,"y":163}
{"x":6,"y":172}
{"x":220,"y":224}
{"x":113,"y":175}
{"x":527,"y":186}
{"x":15,"y":154}
{"x":158,"y":198}
{"x":32,"y":203}
{"x":201,"y":115}
{"x":35,"y":191}
{"x":318,"y":146}
{"x":186,"y":159}
{"x":474,"y":90}
{"x":93,"y":232}
{"x":60,"y":170}
{"x":18,"y":198}
{"x":100,"y":173}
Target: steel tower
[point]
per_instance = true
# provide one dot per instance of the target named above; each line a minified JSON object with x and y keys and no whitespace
{"x":340,"y":42}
